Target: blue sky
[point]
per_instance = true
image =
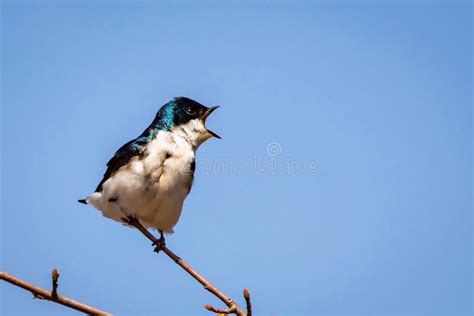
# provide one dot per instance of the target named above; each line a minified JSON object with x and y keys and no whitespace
{"x":371,"y":102}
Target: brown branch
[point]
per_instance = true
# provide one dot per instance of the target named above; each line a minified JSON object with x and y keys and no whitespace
{"x":232,"y":307}
{"x":54,"y":291}
{"x":232,"y":310}
{"x":51,"y":295}
{"x":247,"y":302}
{"x":216,"y":310}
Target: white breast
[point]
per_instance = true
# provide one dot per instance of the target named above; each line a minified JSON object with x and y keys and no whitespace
{"x":153,"y":187}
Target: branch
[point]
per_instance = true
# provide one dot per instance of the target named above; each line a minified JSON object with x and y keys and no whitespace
{"x":232,"y":310}
{"x":51,"y":295}
{"x":54,"y":291}
{"x":247,"y":302}
{"x":232,"y":307}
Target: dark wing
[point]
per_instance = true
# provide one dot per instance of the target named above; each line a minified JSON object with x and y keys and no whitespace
{"x":122,"y":157}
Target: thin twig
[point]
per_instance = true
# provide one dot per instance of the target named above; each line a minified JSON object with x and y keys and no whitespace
{"x":216,"y":310}
{"x":47,"y":295}
{"x":54,"y":291}
{"x":232,"y":306}
{"x":247,"y":302}
{"x":232,"y":310}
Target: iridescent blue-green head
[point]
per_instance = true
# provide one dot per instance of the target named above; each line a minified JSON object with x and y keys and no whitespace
{"x":181,"y":112}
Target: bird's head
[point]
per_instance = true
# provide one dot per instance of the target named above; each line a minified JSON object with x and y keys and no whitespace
{"x":187,"y":117}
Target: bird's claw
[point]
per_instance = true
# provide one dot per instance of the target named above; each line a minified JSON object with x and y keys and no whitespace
{"x":159,"y":245}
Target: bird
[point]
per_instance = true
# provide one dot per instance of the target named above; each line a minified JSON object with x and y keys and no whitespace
{"x":149,"y":177}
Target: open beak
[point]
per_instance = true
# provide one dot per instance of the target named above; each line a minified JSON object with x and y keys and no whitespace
{"x":204,"y":117}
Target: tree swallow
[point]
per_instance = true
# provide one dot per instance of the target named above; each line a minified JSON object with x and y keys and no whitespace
{"x":149,"y":177}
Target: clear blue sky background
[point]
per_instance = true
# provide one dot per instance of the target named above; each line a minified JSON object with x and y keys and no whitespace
{"x":378,"y":95}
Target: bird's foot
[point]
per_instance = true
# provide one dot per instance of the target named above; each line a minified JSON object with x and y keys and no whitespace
{"x":159,"y":243}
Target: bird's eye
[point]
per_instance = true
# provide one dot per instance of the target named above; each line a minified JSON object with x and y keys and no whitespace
{"x":190,"y":111}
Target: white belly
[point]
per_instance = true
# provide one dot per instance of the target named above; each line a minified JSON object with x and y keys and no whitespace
{"x":152,"y":187}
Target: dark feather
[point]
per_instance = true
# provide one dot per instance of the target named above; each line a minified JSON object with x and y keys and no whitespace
{"x":191,"y":171}
{"x":193,"y":167}
{"x":122,"y":157}
{"x":131,"y":149}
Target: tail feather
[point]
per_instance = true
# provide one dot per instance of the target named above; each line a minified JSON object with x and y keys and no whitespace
{"x":83,"y":201}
